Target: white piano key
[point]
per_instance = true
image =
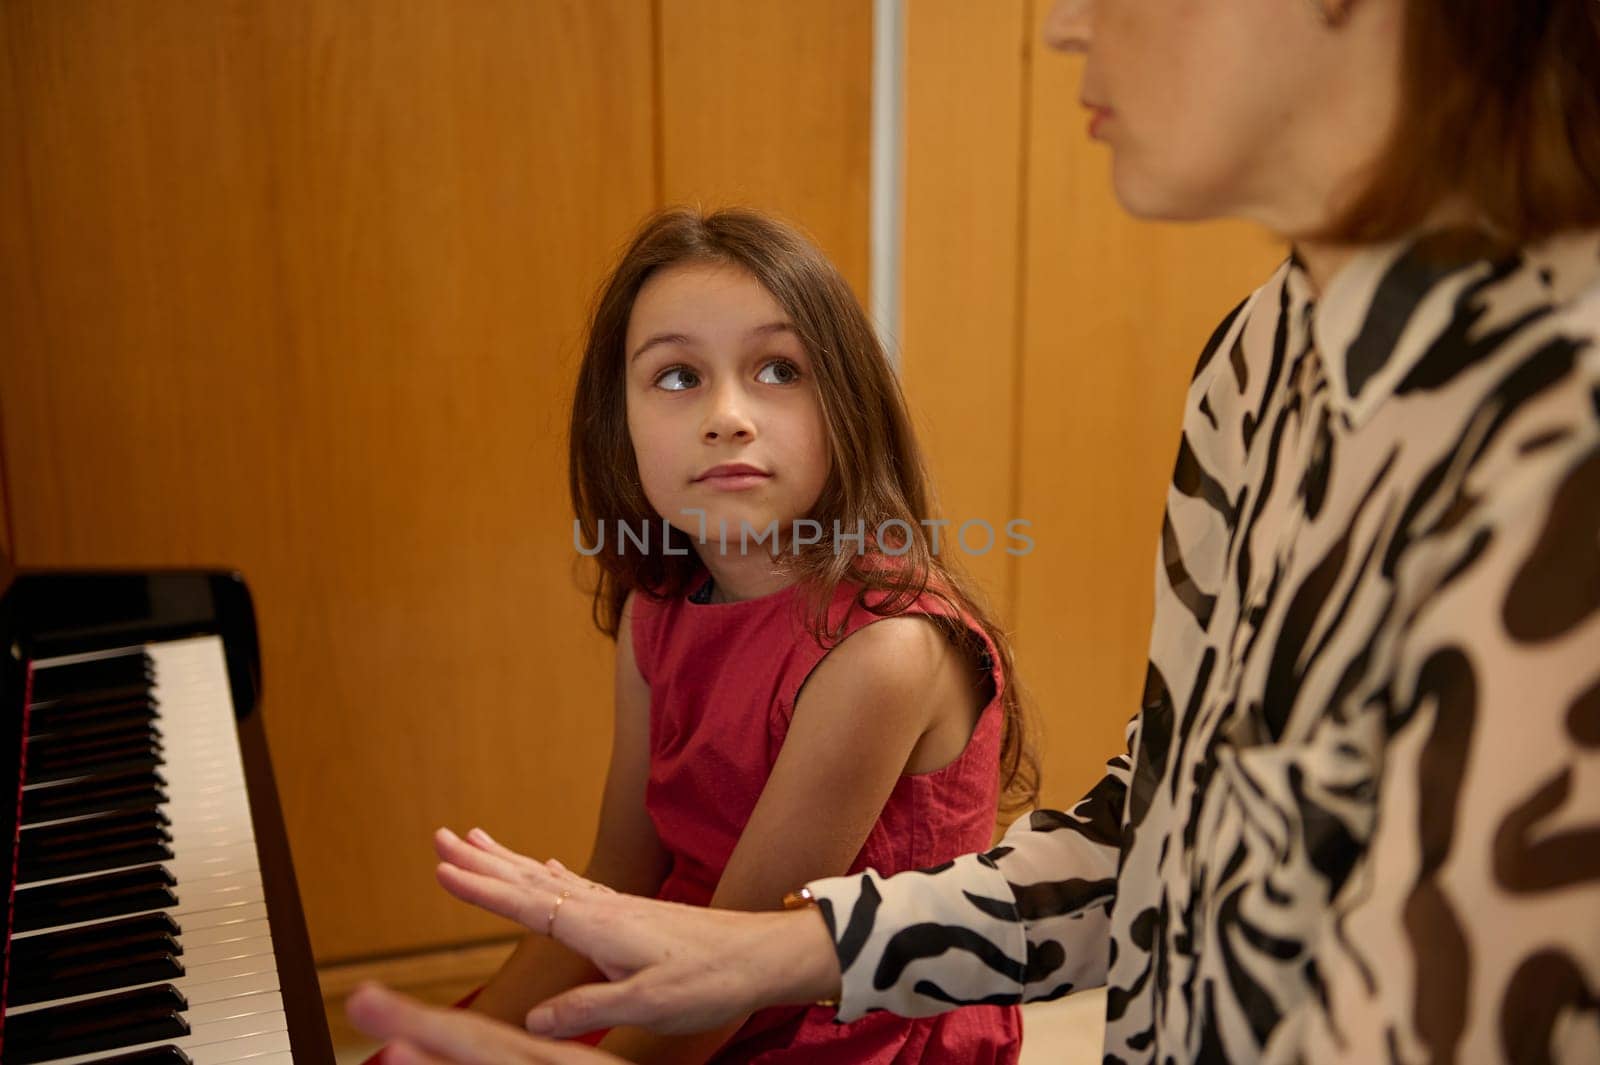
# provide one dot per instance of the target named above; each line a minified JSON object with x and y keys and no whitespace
{"x":235,"y":1006}
{"x":232,"y":987}
{"x":226,"y":932}
{"x":218,"y":970}
{"x":246,"y":1049}
{"x":195,"y":956}
{"x":230,"y":1028}
{"x":222,"y":917}
{"x":210,"y":894}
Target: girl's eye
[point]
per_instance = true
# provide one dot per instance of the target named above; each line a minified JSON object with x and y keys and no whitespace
{"x":779,"y":372}
{"x":677,"y":379}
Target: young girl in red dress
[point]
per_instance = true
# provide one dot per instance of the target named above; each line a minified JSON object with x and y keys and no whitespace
{"x":804,"y":684}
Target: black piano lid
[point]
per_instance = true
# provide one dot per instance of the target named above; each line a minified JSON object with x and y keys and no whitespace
{"x":45,"y":613}
{"x":69,"y":611}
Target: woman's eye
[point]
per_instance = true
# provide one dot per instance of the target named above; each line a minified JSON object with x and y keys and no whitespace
{"x":779,"y":372}
{"x":677,"y":379}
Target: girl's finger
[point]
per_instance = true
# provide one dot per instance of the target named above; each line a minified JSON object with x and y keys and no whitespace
{"x":405,"y":1022}
{"x":424,"y":1035}
{"x":404,"y":1052}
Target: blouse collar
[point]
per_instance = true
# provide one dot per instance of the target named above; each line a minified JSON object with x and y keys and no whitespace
{"x":1388,"y":305}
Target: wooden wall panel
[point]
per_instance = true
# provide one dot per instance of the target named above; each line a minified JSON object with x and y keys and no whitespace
{"x":1116,"y":314}
{"x":768,"y":103}
{"x":965,"y":83}
{"x":306,"y":289}
{"x":16,"y":259}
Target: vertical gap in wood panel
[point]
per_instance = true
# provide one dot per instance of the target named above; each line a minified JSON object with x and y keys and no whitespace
{"x":886,"y":182}
{"x":1019,"y":325}
{"x":658,"y":124}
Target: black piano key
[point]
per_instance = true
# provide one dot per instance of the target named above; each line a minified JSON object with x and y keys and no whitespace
{"x":93,"y":898}
{"x":147,"y":823}
{"x":108,"y":728}
{"x":167,"y":1055}
{"x":44,"y":752}
{"x":122,"y":934}
{"x":120,"y":791}
{"x":88,"y":976}
{"x":107,"y":764}
{"x":89,"y":759}
{"x":74,"y":848}
{"x":92,"y":860}
{"x":66,"y":744}
{"x":97,"y":675}
{"x":69,"y":719}
{"x":127,"y":1018}
{"x":70,"y":837}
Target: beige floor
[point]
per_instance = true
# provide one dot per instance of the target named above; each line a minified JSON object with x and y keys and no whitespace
{"x":1067,"y":1032}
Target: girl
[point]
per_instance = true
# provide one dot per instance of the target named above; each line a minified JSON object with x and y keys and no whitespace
{"x":803,"y":685}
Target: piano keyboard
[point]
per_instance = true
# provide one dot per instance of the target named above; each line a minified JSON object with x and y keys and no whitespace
{"x":141,"y":933}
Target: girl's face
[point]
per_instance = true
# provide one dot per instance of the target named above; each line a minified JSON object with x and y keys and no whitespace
{"x":1252,"y":109}
{"x":723,"y":409}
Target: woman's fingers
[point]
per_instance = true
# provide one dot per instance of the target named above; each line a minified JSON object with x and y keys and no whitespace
{"x":424,"y":1035}
{"x":457,"y":851}
{"x":480,"y":839}
{"x":528,"y":906}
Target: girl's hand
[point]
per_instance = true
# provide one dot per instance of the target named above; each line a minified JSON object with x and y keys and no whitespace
{"x":425,"y":1035}
{"x":672,"y":968}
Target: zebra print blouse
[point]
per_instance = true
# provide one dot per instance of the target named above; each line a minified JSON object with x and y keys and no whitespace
{"x":1359,"y":816}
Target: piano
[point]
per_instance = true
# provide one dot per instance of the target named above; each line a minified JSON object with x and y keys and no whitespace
{"x":152,"y":916}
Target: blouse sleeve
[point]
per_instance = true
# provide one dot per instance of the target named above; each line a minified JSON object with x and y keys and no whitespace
{"x":1030,"y":920}
{"x":1027,"y":920}
{"x":1471,"y":929}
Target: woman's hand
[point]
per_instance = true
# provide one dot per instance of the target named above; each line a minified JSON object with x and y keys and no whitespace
{"x":672,"y":968}
{"x":426,"y":1035}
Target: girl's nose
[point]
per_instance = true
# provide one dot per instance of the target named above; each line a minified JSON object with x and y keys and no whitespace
{"x":727,"y":420}
{"x":1070,"y":25}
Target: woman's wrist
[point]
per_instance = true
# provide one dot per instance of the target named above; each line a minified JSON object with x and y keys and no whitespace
{"x":811,"y":969}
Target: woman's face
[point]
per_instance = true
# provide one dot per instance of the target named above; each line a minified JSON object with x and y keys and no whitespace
{"x":1234,"y":108}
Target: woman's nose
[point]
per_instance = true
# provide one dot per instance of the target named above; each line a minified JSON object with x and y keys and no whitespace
{"x":1070,"y":25}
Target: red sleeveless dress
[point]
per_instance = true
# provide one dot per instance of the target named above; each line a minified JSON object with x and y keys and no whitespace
{"x":724,"y":678}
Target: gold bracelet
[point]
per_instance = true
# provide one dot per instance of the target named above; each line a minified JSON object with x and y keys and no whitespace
{"x":799,"y":900}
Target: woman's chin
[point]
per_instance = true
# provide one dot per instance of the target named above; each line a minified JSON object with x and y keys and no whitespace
{"x":1151,"y":197}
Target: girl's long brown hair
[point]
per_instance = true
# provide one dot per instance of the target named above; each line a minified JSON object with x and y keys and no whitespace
{"x":877,"y":473}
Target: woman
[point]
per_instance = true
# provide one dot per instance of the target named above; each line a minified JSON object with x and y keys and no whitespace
{"x":1359,"y":814}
